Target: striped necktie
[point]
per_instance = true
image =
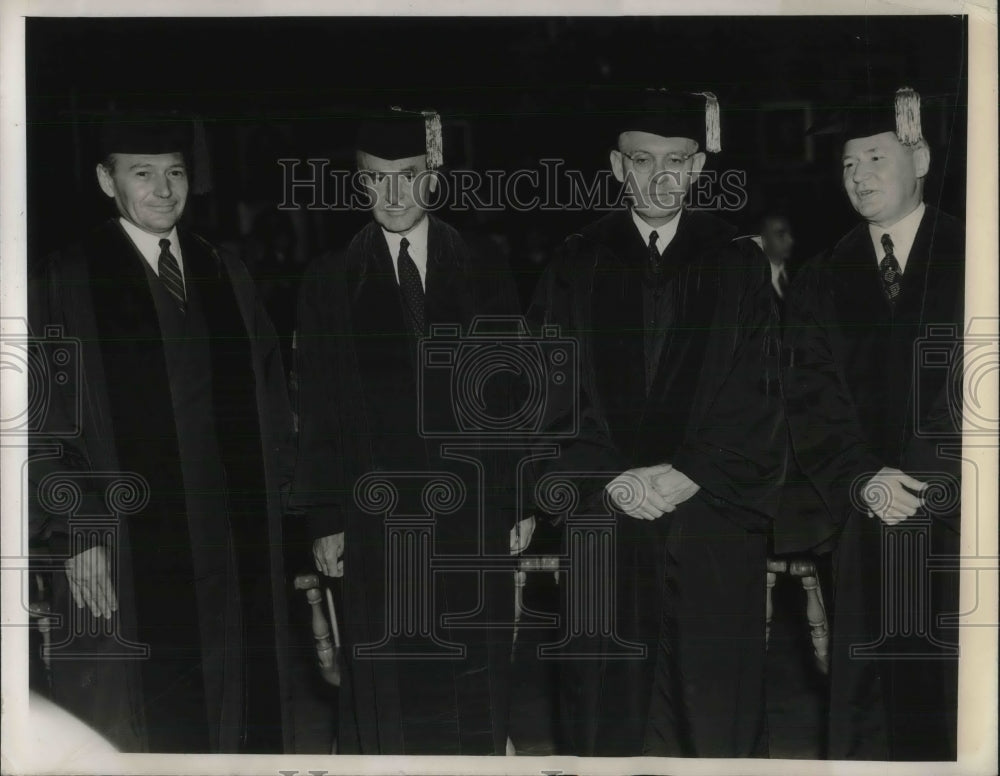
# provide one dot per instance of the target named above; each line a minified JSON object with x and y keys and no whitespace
{"x":892,"y":275}
{"x":170,"y":274}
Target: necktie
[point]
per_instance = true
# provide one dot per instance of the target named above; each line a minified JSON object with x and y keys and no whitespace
{"x":409,"y":284}
{"x":170,"y":274}
{"x":889,"y":269}
{"x":655,"y":266}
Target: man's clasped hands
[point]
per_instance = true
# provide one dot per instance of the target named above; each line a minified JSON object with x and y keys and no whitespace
{"x":649,"y":492}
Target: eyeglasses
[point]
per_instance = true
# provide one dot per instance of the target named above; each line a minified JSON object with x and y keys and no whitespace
{"x":375,"y":177}
{"x":643,"y":162}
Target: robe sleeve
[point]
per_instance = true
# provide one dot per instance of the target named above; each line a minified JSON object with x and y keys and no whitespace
{"x":562,"y":300}
{"x":828,"y":441}
{"x":57,"y":445}
{"x":319,"y":491}
{"x":277,"y":424}
{"x":939,"y":421}
{"x":505,"y":394}
{"x":736,"y":448}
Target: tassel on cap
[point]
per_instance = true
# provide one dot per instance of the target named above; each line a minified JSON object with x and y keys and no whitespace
{"x":713,"y":126}
{"x":908,"y":116}
{"x":435,"y":139}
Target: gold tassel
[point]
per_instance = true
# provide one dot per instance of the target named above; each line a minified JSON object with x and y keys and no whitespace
{"x":435,"y":139}
{"x":908,"y":116}
{"x":713,"y":127}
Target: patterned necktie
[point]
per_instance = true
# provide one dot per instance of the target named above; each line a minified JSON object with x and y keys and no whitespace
{"x":892,"y":275}
{"x":170,"y":274}
{"x":655,"y":265}
{"x":410,"y":285}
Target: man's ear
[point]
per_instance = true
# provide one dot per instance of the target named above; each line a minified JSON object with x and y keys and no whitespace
{"x":697,"y":164}
{"x":105,"y":180}
{"x":616,"y":165}
{"x":921,"y":158}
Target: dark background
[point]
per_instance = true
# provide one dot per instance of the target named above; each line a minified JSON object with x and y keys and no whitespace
{"x":515,"y":90}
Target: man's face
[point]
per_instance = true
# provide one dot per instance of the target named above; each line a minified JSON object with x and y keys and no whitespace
{"x":657,"y":171}
{"x":400,"y":189}
{"x":883,"y":178}
{"x":776,"y":236}
{"x":150,"y":190}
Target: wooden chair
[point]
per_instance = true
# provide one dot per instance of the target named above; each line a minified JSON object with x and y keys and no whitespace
{"x":804,"y":569}
{"x":327,"y":650}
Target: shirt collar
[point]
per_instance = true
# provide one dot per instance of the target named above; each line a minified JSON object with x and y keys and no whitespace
{"x":902,"y":233}
{"x":664,"y":234}
{"x":149,"y":245}
{"x":417,"y":248}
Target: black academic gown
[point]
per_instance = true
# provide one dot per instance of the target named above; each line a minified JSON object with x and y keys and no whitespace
{"x":359,"y":415}
{"x":862,"y":394}
{"x":711,"y":408}
{"x":175,"y":433}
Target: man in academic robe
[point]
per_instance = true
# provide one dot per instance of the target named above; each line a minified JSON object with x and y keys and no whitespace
{"x":680,"y":433}
{"x":876,"y":425}
{"x":776,"y":241}
{"x":426,"y":653}
{"x":173,"y":626}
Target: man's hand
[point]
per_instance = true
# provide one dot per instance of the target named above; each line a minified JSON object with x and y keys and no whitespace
{"x":634,"y":494}
{"x":674,"y":487}
{"x":89,"y":575}
{"x":328,"y":553}
{"x":888,"y":495}
{"x":520,"y":535}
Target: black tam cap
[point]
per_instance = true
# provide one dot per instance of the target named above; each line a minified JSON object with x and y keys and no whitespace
{"x":693,"y":115}
{"x":146,"y":133}
{"x":399,"y":134}
{"x":868,"y":115}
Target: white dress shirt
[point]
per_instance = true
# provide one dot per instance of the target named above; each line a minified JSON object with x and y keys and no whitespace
{"x":902,"y":233}
{"x":664,"y":234}
{"x":417,"y":248}
{"x":149,"y":245}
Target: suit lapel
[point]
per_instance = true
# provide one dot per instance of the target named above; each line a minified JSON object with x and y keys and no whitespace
{"x":668,"y":409}
{"x":120,"y":287}
{"x":859,"y":293}
{"x":385,"y":349}
{"x":679,"y":262}
{"x":449,"y":299}
{"x":918,"y":270}
{"x":377,"y":309}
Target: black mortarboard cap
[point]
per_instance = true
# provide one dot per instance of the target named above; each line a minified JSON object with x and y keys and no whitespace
{"x":164,"y":132}
{"x":694,"y":115}
{"x":146,"y":133}
{"x":868,"y":115}
{"x":400,"y":134}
